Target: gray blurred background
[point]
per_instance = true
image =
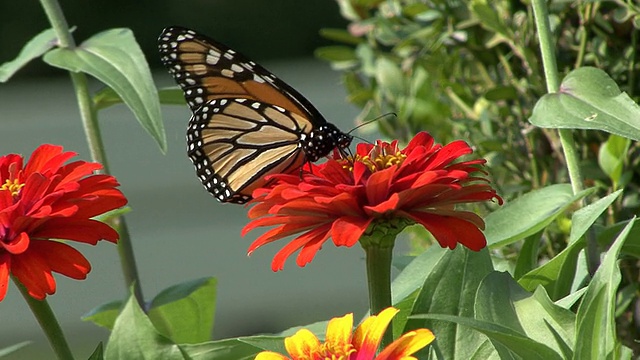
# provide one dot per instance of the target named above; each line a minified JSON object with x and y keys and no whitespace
{"x":179,"y":232}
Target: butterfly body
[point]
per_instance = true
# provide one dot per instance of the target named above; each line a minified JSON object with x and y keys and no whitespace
{"x":246,"y":122}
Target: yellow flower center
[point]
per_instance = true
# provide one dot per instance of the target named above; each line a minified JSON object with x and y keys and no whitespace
{"x":383,"y":161}
{"x":13,"y":186}
{"x":328,"y":351}
{"x":376,"y":160}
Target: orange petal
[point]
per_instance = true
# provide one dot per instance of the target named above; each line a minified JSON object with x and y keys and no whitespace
{"x":339,"y":331}
{"x":4,"y":274}
{"x":369,"y":333}
{"x":269,"y":355}
{"x":406,"y":345}
{"x":301,"y":344}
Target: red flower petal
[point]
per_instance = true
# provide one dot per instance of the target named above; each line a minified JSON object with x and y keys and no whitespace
{"x":63,"y":259}
{"x":17,"y":245}
{"x":347,"y":230}
{"x":47,"y":200}
{"x":5,"y":264}
{"x":32,"y":270}
{"x":77,"y":229}
{"x":341,"y":198}
{"x":449,"y":230}
{"x":312,"y":239}
{"x":47,"y":158}
{"x":378,"y":185}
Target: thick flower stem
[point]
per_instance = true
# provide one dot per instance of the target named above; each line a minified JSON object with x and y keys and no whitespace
{"x":550,"y":65}
{"x":48,"y":322}
{"x":378,"y":258}
{"x":94,"y":139}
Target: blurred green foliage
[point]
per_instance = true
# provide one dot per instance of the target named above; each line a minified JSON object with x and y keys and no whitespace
{"x":261,"y":29}
{"x":472,"y":70}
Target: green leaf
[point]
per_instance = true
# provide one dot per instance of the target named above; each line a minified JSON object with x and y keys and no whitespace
{"x":631,"y":246}
{"x":501,"y":93}
{"x":500,"y":300}
{"x":269,"y":343}
{"x":568,"y":301}
{"x":389,"y":77}
{"x":529,"y":214}
{"x":556,"y":276}
{"x":184,"y":313}
{"x":134,"y":337}
{"x":230,"y":349}
{"x":518,"y":343}
{"x":37,"y":46}
{"x":449,"y":287}
{"x":490,"y":18}
{"x":624,"y":298}
{"x":104,"y":315}
{"x":611,"y":157}
{"x":319,"y":328}
{"x":341,"y":57}
{"x":108,"y":97}
{"x":115,"y":58}
{"x":340,"y":35}
{"x":405,"y":286}
{"x":98,"y":353}
{"x":414,"y":274}
{"x":528,"y":255}
{"x":596,"y":327}
{"x":589,"y":99}
{"x":585,"y":217}
{"x":13,"y":348}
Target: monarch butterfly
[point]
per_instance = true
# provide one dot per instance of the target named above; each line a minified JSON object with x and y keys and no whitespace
{"x":246,"y":122}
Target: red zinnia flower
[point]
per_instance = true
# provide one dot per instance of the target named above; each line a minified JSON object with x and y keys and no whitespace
{"x":382,"y":186}
{"x":45,"y":200}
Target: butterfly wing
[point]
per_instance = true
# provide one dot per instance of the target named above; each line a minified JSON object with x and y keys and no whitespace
{"x":234,"y":143}
{"x":246,"y":122}
{"x":206,"y":69}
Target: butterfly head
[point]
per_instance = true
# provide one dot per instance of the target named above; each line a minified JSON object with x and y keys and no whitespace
{"x":322,"y":140}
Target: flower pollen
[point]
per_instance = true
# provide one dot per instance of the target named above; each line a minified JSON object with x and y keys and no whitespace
{"x":13,"y":186}
{"x":381,"y":156}
{"x":331,"y":351}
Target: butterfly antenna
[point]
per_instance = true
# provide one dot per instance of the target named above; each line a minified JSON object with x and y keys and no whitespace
{"x":370,"y":121}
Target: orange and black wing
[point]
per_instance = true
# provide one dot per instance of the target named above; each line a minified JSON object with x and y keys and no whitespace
{"x":206,"y":69}
{"x":234,"y":143}
{"x":246,"y":122}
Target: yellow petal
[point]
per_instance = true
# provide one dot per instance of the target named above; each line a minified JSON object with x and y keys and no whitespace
{"x":302,"y":343}
{"x":406,"y":345}
{"x":269,"y":355}
{"x":361,"y":330}
{"x":368,"y":335}
{"x":339,"y":331}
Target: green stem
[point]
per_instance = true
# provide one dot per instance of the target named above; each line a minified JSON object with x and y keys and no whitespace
{"x":378,"y":258}
{"x":585,"y":17}
{"x":91,"y":128}
{"x":632,"y":64}
{"x":48,"y":322}
{"x":547,"y":50}
{"x":128,"y":260}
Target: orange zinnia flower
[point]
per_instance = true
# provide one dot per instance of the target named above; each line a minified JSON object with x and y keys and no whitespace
{"x":382,"y":185}
{"x":340,"y":344}
{"x":45,"y":200}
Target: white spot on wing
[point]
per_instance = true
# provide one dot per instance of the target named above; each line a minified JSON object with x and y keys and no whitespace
{"x":212,"y":59}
